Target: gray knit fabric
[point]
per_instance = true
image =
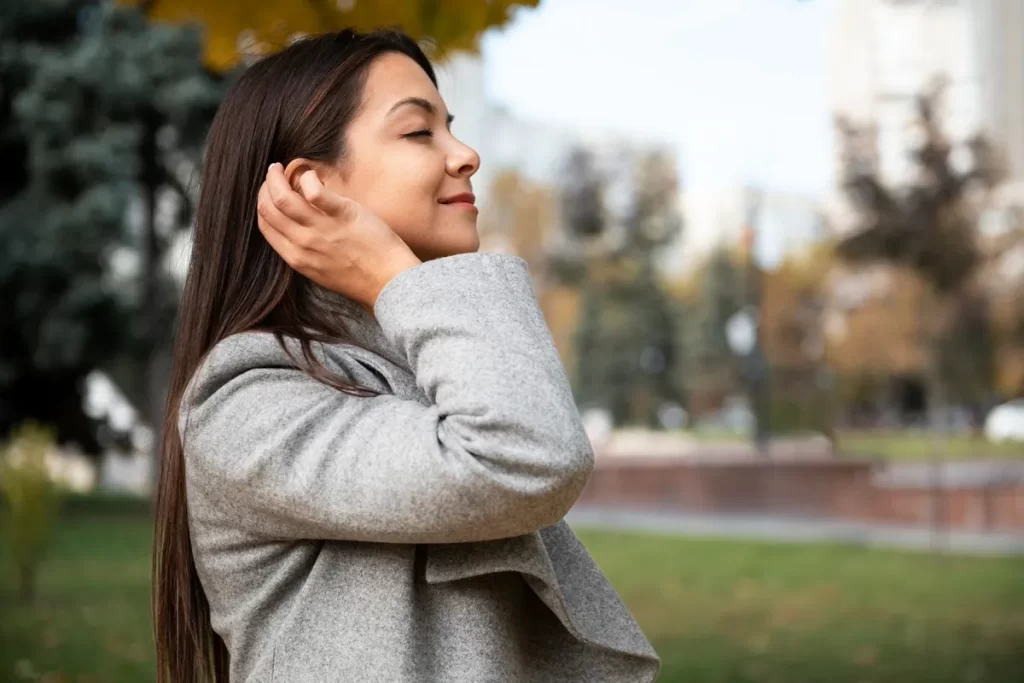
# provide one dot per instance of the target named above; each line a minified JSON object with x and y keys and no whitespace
{"x":415,"y":536}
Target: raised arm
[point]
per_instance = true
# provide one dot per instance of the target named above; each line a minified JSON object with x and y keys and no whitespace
{"x":500,"y":451}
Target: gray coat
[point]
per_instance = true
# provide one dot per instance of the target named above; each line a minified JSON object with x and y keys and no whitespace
{"x":415,"y":536}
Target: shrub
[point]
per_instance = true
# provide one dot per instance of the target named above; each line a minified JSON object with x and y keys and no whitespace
{"x":31,"y":500}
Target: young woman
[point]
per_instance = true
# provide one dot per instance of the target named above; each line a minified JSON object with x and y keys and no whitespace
{"x":370,"y":441}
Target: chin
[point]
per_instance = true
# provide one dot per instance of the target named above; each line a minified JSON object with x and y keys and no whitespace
{"x":453,"y":246}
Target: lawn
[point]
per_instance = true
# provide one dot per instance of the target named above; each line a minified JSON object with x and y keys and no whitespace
{"x":718,"y":611}
{"x":911,"y":445}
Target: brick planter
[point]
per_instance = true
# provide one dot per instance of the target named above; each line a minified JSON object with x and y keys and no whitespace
{"x":816,"y":486}
{"x":820,"y":486}
{"x":977,"y":508}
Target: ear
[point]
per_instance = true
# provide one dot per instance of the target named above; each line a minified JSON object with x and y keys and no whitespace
{"x":296,"y":167}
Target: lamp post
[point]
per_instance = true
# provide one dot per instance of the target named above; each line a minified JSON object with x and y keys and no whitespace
{"x":743,"y":329}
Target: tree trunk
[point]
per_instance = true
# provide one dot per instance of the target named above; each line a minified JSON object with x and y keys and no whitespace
{"x":152,"y":309}
{"x":938,"y":413}
{"x":938,"y":409}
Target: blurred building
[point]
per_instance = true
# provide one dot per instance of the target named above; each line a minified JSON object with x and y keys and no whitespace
{"x":998,"y":50}
{"x":887,"y":52}
{"x":785,"y":222}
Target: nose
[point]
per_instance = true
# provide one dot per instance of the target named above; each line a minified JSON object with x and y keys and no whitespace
{"x":462,"y":161}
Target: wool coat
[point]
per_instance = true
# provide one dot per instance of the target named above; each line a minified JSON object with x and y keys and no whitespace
{"x":415,"y":535}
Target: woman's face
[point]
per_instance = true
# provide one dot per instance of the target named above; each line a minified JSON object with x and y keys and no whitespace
{"x":403,"y":163}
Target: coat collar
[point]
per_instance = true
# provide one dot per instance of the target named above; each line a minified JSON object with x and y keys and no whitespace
{"x":360,"y":326}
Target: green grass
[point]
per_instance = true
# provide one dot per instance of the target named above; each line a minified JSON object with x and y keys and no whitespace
{"x":727,"y":611}
{"x":910,"y":445}
{"x":717,"y":611}
{"x":91,"y":622}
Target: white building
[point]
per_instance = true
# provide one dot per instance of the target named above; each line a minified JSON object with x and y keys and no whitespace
{"x":998,"y":47}
{"x":886,"y":52}
{"x":785,"y":222}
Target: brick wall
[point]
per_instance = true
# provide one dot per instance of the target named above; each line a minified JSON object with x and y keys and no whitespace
{"x":822,"y":487}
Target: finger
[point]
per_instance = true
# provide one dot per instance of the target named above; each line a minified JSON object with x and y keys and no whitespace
{"x":292,"y":231}
{"x":288,"y":201}
{"x":319,"y":196}
{"x":270,"y":218}
{"x":271,"y":215}
{"x":279,"y":243}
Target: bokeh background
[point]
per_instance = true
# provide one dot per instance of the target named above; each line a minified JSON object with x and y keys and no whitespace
{"x":779,"y":244}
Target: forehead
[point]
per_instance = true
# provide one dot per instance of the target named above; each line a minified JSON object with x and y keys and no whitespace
{"x":393,"y":77}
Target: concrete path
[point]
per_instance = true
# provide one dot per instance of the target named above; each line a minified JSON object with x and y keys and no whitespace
{"x":952,"y":474}
{"x":798,"y":530}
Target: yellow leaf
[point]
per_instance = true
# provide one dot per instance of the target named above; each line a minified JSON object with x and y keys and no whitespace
{"x":449,"y":24}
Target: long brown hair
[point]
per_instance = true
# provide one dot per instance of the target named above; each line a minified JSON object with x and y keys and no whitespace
{"x":294,"y":104}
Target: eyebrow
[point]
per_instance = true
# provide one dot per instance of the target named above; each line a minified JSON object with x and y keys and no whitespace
{"x":423,"y":104}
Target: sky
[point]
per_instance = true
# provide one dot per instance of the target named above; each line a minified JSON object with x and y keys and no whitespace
{"x":738,"y":87}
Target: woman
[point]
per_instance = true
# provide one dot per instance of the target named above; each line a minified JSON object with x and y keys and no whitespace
{"x":370,"y":441}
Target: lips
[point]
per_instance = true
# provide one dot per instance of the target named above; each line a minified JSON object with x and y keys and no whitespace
{"x":461,"y":198}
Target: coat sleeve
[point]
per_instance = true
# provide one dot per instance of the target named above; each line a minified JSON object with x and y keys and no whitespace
{"x":499,"y":451}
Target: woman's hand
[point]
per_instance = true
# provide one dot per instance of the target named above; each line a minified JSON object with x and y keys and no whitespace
{"x":330,"y":239}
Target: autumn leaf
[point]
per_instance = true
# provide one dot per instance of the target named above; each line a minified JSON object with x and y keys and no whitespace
{"x":268,"y":25}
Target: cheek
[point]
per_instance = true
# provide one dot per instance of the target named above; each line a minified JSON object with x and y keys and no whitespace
{"x":409,"y":208}
{"x":403,"y":193}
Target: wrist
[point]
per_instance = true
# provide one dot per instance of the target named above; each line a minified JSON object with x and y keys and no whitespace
{"x":400,"y":262}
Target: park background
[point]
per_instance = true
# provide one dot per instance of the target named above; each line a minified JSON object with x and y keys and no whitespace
{"x":779,"y":244}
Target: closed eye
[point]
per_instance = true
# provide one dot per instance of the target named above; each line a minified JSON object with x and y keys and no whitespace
{"x":419,"y":134}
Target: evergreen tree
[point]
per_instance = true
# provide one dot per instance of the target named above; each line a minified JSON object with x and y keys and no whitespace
{"x":57,"y":313}
{"x":626,"y":346}
{"x":111,"y":119}
{"x":719,"y":299}
{"x":713,"y":370}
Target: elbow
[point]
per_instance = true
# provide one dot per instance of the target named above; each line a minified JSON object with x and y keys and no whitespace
{"x":574,"y":474}
{"x":555,"y":488}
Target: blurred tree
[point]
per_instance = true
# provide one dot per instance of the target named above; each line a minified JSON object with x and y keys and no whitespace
{"x":102,"y":117}
{"x":235,"y":27}
{"x":719,"y":297}
{"x":929,"y":226}
{"x":627,"y":357}
{"x":111,"y":121}
{"x":793,"y":304}
{"x":1008,"y":316}
{"x":713,"y":294}
{"x":584,"y":218}
{"x":57,"y":316}
{"x":885,"y":303}
{"x":30,"y":500}
{"x":520,"y":218}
